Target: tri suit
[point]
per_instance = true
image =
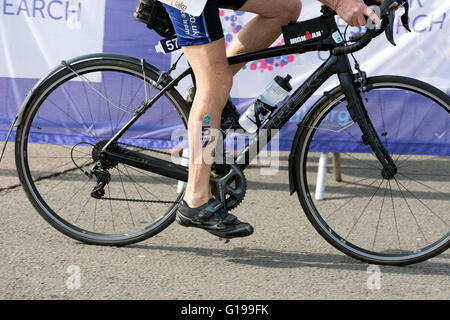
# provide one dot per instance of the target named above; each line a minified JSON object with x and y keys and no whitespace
{"x":203,"y":29}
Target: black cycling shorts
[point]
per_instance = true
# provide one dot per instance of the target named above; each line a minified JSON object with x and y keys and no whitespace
{"x":203,"y":29}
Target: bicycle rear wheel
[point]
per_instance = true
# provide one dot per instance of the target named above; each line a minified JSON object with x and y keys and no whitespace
{"x":395,"y":221}
{"x":65,"y":125}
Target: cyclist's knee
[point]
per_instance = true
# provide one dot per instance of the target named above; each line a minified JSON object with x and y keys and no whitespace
{"x":227,"y":80}
{"x":291,"y":10}
{"x":286,"y":11}
{"x":282,"y":11}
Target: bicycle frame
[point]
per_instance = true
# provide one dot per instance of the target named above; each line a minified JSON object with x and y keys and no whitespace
{"x":334,"y":65}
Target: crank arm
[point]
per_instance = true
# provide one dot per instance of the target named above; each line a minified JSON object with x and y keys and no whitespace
{"x":220,"y":187}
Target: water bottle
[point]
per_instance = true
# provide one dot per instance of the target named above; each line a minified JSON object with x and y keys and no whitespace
{"x":265,"y":104}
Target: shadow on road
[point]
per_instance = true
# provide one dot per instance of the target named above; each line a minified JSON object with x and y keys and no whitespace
{"x":279,"y":259}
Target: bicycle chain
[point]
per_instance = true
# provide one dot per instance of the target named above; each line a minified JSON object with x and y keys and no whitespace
{"x":236,"y":204}
{"x":139,"y":200}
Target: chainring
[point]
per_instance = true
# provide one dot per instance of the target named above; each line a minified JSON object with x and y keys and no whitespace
{"x":228,"y":184}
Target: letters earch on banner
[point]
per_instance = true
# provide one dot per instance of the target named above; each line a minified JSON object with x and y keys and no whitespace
{"x":192,"y":7}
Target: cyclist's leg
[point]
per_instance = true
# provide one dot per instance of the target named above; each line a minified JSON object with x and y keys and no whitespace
{"x":203,"y":44}
{"x":212,"y":72}
{"x":214,"y":79}
{"x":265,"y":28}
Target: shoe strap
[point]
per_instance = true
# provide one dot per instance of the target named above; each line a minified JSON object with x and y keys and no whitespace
{"x":213,"y":207}
{"x":229,"y":219}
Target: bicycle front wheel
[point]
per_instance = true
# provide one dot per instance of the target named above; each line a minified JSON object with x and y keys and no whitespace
{"x":70,"y":118}
{"x":395,"y":221}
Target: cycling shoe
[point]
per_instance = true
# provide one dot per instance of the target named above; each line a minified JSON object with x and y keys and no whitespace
{"x":213,"y":218}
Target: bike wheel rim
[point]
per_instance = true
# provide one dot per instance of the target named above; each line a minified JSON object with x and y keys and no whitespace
{"x":338,"y":241}
{"x":31,"y":186}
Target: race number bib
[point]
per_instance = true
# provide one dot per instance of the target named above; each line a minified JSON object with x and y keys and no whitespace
{"x":192,"y":7}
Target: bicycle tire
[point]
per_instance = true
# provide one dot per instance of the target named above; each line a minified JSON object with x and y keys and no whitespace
{"x":425,"y":198}
{"x":131,"y":73}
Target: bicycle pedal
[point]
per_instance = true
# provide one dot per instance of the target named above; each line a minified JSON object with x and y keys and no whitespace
{"x":221,"y":239}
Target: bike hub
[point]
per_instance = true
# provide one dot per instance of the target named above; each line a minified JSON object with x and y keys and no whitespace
{"x":388,"y":174}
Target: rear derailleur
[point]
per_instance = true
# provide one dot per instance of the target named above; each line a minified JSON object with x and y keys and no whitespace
{"x":100,"y":169}
{"x":103,"y":178}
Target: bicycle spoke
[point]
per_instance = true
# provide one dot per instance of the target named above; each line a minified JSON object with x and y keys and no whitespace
{"x":126,"y":197}
{"x":410,"y":210}
{"x":55,"y":157}
{"x":149,"y":192}
{"x":55,"y":174}
{"x":90,"y":110}
{"x":137,"y":190}
{"x":153,"y":176}
{"x":370,"y":165}
{"x":379,"y":219}
{"x":73,"y":196}
{"x":76,"y":132}
{"x":415,"y":132}
{"x":395,"y":217}
{"x":111,"y":208}
{"x":423,"y":184}
{"x":131,"y":102}
{"x":73,"y":104}
{"x":351,"y":199}
{"x":137,"y":184}
{"x":75,"y":150}
{"x":360,"y":168}
{"x":82,"y":208}
{"x":102,"y":95}
{"x":399,"y":126}
{"x":386,"y":145}
{"x":364,"y":210}
{"x":116,"y":126}
{"x":108,"y":109}
{"x":436,"y":215}
{"x":95,"y":214}
{"x":426,"y":159}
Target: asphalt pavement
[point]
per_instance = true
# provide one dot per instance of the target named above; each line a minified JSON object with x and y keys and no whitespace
{"x":284,"y":259}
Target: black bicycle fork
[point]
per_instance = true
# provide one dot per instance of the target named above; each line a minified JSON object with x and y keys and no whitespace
{"x":359,"y":115}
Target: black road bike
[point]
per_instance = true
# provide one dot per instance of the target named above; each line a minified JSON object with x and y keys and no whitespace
{"x":388,"y":205}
